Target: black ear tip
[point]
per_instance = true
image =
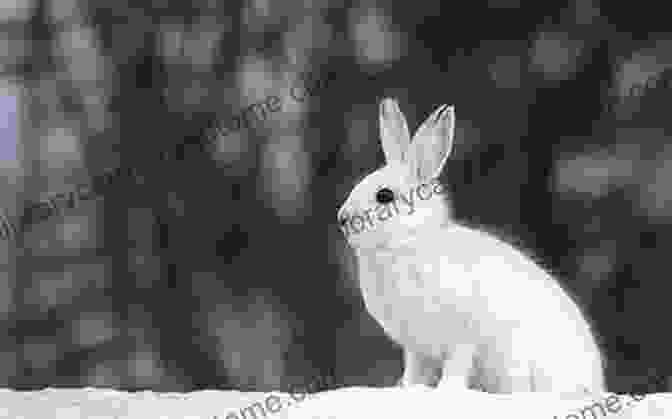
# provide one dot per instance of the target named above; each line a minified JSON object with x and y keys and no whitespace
{"x":444,"y":111}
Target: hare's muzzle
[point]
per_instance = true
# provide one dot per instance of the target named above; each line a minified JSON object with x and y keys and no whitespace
{"x":342,"y":220}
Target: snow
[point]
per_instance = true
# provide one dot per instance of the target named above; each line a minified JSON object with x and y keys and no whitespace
{"x":344,"y":403}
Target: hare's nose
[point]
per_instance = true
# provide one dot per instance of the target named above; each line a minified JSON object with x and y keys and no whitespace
{"x":342,"y":220}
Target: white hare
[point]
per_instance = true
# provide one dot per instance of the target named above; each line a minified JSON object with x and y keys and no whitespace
{"x":467,"y":308}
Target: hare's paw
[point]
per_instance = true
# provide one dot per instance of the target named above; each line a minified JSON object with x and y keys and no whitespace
{"x":419,"y":369}
{"x":454,"y":382}
{"x":458,"y":368}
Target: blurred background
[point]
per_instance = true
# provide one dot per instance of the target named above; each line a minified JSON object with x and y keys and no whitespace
{"x":219,"y":263}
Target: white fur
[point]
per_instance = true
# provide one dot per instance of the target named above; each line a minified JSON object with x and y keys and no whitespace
{"x":465,"y":306}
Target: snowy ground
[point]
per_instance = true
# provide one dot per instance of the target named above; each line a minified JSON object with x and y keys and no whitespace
{"x":346,"y":403}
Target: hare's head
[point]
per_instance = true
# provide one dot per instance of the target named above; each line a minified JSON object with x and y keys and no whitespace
{"x":404,"y":196}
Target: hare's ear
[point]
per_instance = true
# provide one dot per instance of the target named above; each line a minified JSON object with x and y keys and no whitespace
{"x":394,"y":135}
{"x":432,"y":144}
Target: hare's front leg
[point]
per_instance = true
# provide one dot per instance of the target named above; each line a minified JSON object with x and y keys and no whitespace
{"x":507,"y":366}
{"x":457,"y":368}
{"x":419,"y":369}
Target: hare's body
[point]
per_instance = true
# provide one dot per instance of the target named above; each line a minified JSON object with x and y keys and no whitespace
{"x":467,"y":308}
{"x":435,"y":293}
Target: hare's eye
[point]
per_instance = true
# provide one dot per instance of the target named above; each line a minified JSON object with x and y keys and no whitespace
{"x":384,"y":196}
